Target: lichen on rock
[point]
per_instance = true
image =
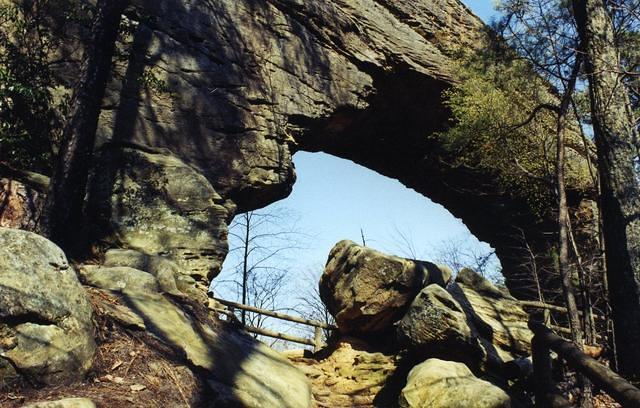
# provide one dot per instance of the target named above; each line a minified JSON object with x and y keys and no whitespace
{"x":46,"y":328}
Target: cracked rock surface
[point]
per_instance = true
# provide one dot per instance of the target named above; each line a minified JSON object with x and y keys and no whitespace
{"x":46,"y":332}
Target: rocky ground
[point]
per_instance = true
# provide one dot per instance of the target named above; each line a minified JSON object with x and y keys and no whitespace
{"x":132,"y":329}
{"x":351,"y":375}
{"x":130,"y":370}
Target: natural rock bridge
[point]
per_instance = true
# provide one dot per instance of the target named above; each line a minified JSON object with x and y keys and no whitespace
{"x":238,"y":86}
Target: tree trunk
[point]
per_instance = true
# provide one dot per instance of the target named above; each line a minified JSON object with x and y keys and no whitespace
{"x":62,"y":219}
{"x":563,"y":228}
{"x":563,"y":212}
{"x":614,"y":131}
{"x":245,"y":263}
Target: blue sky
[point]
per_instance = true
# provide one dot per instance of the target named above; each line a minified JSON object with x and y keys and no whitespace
{"x":335,"y":199}
{"x":482,"y":8}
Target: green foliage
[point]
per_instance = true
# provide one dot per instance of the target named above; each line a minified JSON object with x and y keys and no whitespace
{"x":150,"y":80}
{"x":491,"y":105}
{"x":29,"y":122}
{"x":31,"y":117}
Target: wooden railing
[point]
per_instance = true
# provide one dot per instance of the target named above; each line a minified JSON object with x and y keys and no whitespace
{"x":544,"y":340}
{"x":316,"y":342}
{"x":547,"y":308}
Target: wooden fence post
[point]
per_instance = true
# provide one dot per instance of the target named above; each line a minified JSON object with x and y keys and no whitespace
{"x":541,"y":371}
{"x":317,"y":339}
{"x":547,"y":317}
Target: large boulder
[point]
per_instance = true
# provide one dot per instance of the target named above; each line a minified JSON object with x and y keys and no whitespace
{"x":471,"y":321}
{"x":436,"y":325}
{"x":367,"y":291}
{"x":151,"y":201}
{"x":242,"y":371}
{"x":447,"y":384}
{"x":46,"y":330}
{"x":497,"y":315}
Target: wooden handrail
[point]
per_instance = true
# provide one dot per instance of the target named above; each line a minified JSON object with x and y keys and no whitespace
{"x":560,"y":309}
{"x":279,"y":335}
{"x":602,"y":376}
{"x":277,"y":315}
{"x":37,"y":181}
{"x":317,"y":336}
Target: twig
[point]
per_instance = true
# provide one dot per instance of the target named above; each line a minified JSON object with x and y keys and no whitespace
{"x":175,"y":381}
{"x":126,"y":371}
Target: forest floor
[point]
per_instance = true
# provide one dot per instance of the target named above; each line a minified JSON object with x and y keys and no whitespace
{"x":131,"y":369}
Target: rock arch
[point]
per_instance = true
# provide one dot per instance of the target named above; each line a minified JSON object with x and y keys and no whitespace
{"x":237,"y":86}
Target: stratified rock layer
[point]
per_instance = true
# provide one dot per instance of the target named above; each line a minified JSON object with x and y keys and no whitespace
{"x":367,"y":291}
{"x":351,"y":376}
{"x":153,"y":202}
{"x":171,"y":278}
{"x":471,"y":321}
{"x":498,"y":316}
{"x":46,"y":332}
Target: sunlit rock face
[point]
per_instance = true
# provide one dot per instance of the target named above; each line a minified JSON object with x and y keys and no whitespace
{"x":241,"y":371}
{"x":448,"y":384}
{"x":368,"y":291}
{"x":233,"y":88}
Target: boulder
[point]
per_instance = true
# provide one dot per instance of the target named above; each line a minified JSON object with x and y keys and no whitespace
{"x":367,"y":291}
{"x":447,"y":384}
{"x":151,"y":201}
{"x":471,"y":321}
{"x":436,"y":325}
{"x":46,"y":330}
{"x":241,"y":370}
{"x":63,"y":403}
{"x":497,"y":316}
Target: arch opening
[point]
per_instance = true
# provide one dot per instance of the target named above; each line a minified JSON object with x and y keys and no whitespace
{"x":281,"y":249}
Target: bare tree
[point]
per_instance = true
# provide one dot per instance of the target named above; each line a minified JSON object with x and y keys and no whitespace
{"x":257,"y":269}
{"x":62,"y":218}
{"x":462,"y":252}
{"x":543,"y":33}
{"x":310,"y":305}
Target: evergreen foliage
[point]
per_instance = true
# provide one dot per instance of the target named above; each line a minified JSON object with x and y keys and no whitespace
{"x":498,"y":125}
{"x":29,"y":118}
